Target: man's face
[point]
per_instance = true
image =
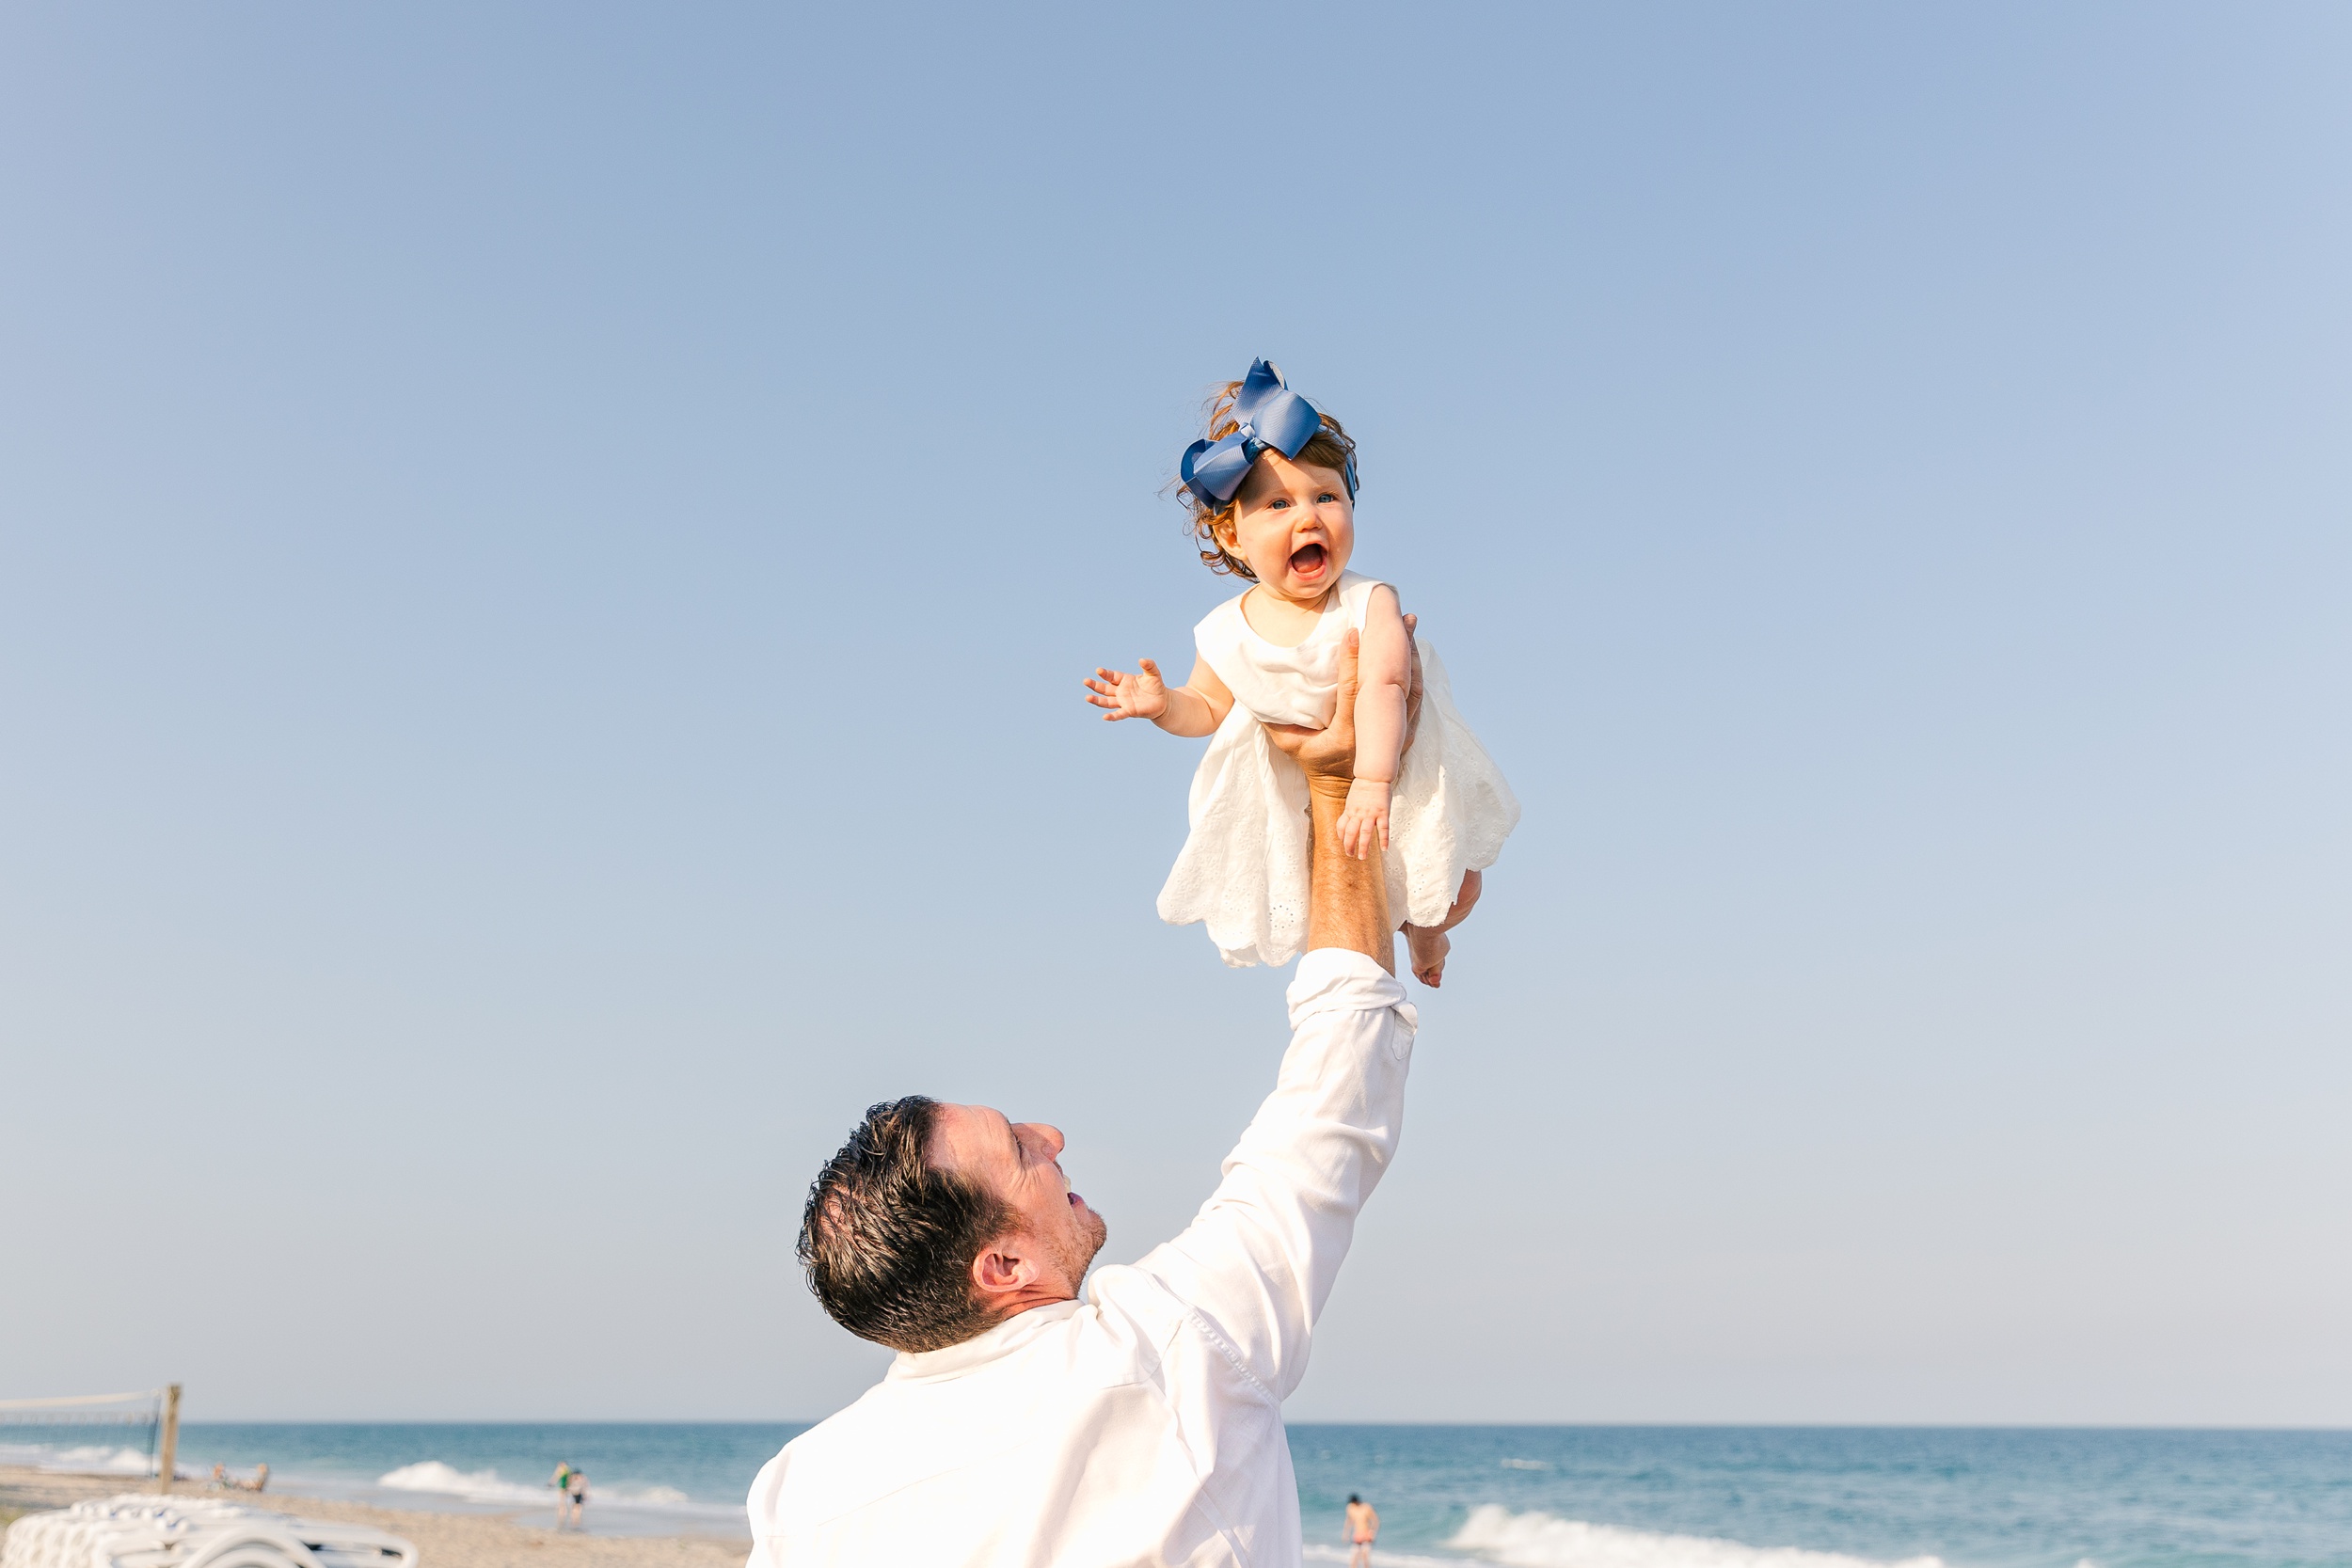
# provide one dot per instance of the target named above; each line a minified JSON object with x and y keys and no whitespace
{"x":1021,"y":1162}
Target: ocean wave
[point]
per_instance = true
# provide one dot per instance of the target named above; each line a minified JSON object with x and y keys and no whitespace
{"x":1380,"y":1559}
{"x":483,"y":1486}
{"x":103,"y":1458}
{"x":1536,"y":1539}
{"x":489,"y":1487}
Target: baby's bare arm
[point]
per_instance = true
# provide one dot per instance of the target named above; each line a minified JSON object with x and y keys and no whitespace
{"x":1195,"y":709}
{"x":1388,"y":672}
{"x":1198,"y":705}
{"x":1381,"y":705}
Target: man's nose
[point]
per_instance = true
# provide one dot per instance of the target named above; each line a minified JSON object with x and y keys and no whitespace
{"x":1048,"y":1136}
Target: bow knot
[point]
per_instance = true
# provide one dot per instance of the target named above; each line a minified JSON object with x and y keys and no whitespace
{"x":1271,"y":418}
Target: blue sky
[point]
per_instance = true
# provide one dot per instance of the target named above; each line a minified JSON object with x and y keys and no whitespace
{"x":546,"y":555}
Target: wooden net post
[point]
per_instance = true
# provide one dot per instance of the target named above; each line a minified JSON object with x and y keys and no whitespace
{"x":169,"y":1458}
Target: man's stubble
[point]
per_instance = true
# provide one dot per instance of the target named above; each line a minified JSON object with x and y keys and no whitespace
{"x":1084,"y":1254}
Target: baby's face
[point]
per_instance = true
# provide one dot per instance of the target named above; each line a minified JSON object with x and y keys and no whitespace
{"x":1294,"y":525}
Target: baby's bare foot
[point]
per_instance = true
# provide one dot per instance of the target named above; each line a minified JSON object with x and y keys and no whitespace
{"x":1429,"y":945}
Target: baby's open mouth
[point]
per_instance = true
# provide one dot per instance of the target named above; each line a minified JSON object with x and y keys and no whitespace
{"x":1307,"y":560}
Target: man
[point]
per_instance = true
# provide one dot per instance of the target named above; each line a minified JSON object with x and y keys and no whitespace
{"x":1363,"y":1528}
{"x":1144,"y":1424}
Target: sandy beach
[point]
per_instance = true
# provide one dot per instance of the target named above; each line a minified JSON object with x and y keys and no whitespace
{"x":443,"y":1540}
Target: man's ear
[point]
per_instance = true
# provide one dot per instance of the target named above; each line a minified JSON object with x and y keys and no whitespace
{"x":1000,"y":1270}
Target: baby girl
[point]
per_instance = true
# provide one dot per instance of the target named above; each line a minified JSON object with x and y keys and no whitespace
{"x":1272,"y":491}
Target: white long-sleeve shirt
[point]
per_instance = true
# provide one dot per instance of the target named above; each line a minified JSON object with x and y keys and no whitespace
{"x":1144,"y":1424}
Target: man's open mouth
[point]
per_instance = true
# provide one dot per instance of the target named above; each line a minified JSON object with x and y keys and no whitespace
{"x":1307,"y":560}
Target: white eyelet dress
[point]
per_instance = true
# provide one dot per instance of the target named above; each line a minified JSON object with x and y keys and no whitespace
{"x":1243,"y":868}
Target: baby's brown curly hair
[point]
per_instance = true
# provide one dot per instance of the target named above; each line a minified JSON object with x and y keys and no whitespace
{"x":1329,"y":448}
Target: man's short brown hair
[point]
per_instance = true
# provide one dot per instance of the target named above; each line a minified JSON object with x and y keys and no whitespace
{"x":888,"y":1238}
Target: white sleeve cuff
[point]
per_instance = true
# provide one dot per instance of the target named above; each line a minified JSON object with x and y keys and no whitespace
{"x":1340,"y":979}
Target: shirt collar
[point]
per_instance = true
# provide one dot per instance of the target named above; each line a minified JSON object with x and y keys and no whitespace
{"x":978,"y":1352}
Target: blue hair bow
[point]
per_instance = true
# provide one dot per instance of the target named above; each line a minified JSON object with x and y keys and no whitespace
{"x":1272,"y":417}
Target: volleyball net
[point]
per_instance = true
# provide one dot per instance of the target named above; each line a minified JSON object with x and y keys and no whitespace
{"x":133,"y":1433}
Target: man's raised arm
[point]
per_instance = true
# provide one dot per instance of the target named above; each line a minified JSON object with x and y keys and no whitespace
{"x":1348,"y":899}
{"x":1257,"y":1262}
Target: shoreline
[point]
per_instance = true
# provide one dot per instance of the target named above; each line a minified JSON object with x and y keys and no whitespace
{"x":443,"y":1540}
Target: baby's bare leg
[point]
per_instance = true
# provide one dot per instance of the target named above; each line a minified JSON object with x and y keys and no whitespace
{"x":1429,"y":945}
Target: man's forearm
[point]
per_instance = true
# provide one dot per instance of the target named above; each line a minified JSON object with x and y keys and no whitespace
{"x":1349,"y":898}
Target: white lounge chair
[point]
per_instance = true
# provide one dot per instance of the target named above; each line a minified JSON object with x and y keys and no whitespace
{"x":148,"y":1531}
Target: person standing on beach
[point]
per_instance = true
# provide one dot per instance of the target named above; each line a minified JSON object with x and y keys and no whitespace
{"x":563,"y":1484}
{"x":577,"y":1486}
{"x":1142,"y":1424}
{"x":1362,"y":1529}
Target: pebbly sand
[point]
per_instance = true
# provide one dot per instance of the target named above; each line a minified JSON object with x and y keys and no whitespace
{"x":443,"y":1540}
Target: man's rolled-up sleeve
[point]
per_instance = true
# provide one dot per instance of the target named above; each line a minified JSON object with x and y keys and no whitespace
{"x":1257,"y":1262}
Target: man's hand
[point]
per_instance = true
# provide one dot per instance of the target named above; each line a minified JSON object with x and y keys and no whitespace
{"x":1129,"y":696}
{"x":1412,"y":693}
{"x":1328,"y":756}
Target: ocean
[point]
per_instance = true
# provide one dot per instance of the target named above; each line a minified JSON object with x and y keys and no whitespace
{"x":1531,"y":1496}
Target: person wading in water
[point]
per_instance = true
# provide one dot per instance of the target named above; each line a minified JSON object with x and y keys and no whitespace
{"x":1363,"y":1528}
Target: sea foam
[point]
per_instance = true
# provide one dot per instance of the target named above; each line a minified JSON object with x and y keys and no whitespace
{"x":1317,"y":1553}
{"x":489,"y":1487}
{"x":1538,"y":1540}
{"x":483,"y":1486}
{"x":82,"y":1458}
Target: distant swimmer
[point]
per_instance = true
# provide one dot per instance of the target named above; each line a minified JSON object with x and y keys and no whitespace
{"x":1363,"y":1528}
{"x":563,"y":1484}
{"x":579,"y":1499}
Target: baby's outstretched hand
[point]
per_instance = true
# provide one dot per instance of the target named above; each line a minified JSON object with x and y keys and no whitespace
{"x":1364,"y":820}
{"x":1129,"y":696}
